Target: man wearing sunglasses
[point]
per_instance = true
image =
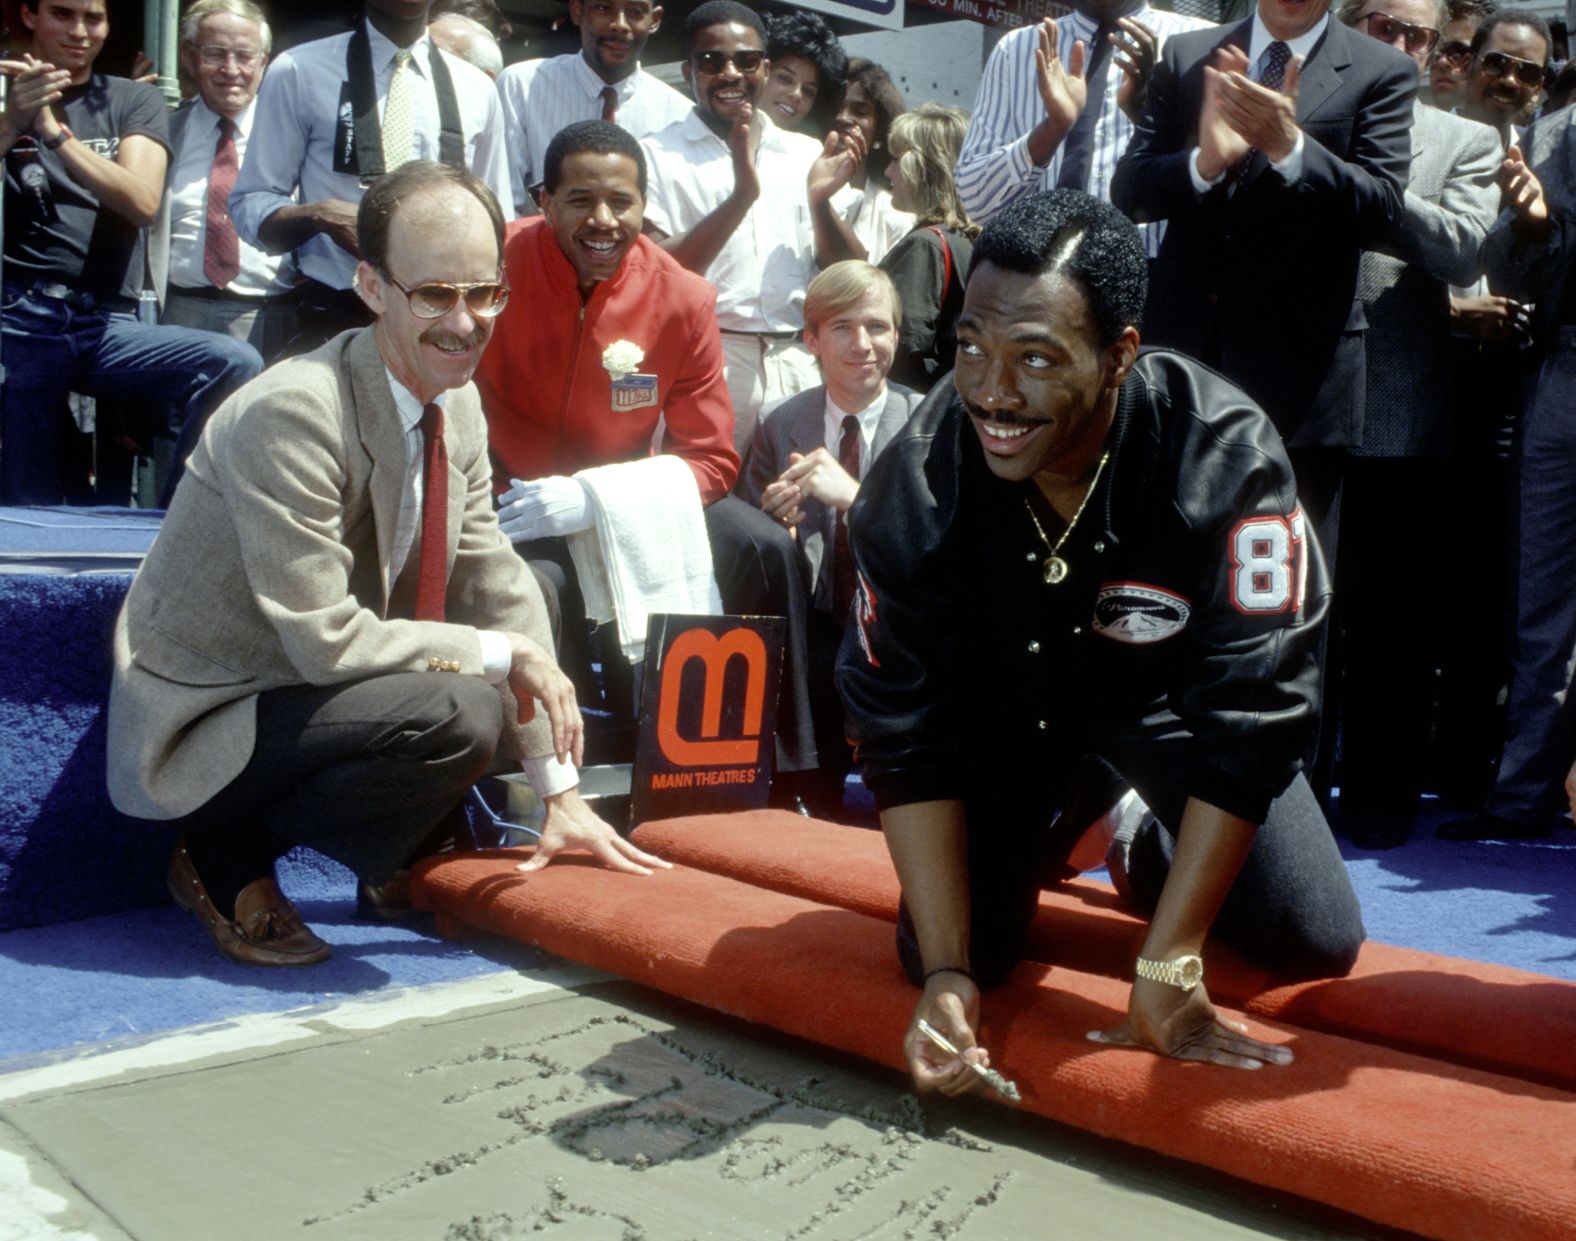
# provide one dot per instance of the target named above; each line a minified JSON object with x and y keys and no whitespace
{"x":731,"y":198}
{"x":1510,"y":63}
{"x":1531,"y":254}
{"x":1447,"y":78}
{"x":1451,"y":199}
{"x":330,"y":640}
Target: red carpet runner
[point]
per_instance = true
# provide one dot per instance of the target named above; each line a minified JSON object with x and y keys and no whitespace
{"x":1426,"y":1093}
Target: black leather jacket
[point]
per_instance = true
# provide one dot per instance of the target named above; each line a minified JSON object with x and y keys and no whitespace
{"x":1194,"y":589}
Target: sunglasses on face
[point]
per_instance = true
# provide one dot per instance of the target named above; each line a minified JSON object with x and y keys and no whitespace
{"x":1457,"y":53}
{"x":433,"y":300}
{"x":1499,"y":65}
{"x":1387,"y":29}
{"x":715,"y":61}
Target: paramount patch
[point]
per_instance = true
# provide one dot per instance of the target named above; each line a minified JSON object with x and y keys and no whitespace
{"x":634,"y":391}
{"x":1133,"y":612}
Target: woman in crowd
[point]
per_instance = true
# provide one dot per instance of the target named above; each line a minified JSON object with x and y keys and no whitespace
{"x":869,"y":105}
{"x":809,"y":67}
{"x":928,"y":266}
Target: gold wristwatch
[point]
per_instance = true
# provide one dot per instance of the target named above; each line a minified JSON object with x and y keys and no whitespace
{"x":1185,"y":972}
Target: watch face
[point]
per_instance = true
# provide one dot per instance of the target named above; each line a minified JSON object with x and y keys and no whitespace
{"x":1192,"y":970}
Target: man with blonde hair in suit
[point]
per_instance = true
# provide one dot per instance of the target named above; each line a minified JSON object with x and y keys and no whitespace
{"x":330,"y":640}
{"x":810,"y":452}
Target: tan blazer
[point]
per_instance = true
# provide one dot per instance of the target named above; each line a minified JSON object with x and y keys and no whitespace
{"x":272,"y":569}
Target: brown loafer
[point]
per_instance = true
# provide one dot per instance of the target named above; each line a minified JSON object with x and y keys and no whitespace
{"x":388,"y":901}
{"x":267,"y":929}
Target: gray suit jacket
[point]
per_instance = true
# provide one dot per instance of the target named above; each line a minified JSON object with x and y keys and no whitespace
{"x":1541,"y":274}
{"x":272,"y":570}
{"x":1451,"y":200}
{"x":798,"y":424}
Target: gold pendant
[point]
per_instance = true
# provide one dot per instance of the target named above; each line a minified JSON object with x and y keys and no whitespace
{"x":1055,"y":569}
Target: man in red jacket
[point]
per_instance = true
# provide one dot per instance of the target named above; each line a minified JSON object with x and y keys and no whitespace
{"x":607,"y":335}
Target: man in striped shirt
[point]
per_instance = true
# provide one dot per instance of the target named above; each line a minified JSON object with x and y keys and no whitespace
{"x":1037,"y":125}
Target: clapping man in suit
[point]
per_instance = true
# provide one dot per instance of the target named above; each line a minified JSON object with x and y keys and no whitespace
{"x":330,"y":640}
{"x":810,"y":452}
{"x":1276,"y":149}
{"x":1399,"y":467}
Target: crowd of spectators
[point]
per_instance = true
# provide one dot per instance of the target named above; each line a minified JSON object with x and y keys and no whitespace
{"x":1362,"y":216}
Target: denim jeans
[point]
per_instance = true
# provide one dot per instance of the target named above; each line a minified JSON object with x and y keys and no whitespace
{"x":51,"y":347}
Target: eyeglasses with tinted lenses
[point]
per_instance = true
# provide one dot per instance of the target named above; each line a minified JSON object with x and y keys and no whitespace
{"x":715,"y":62}
{"x":1457,"y":53}
{"x":1387,"y":29}
{"x":1527,"y":72}
{"x":215,"y":57}
{"x":484,"y":299}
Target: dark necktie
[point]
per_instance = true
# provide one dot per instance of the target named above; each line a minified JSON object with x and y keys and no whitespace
{"x":221,"y":253}
{"x":433,"y":571}
{"x":1275,"y":59}
{"x":1078,"y":146}
{"x":609,"y":104}
{"x":843,"y":575}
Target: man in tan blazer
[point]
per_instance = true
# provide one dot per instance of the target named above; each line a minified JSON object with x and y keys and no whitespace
{"x":290,"y":666}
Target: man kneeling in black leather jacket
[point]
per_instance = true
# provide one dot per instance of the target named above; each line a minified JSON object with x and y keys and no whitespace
{"x":1078,"y":557}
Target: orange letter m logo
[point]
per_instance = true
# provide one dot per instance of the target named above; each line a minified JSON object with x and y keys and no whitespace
{"x":714,"y":654}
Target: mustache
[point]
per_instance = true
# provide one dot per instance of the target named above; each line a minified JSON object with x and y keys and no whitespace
{"x":1002,"y":418}
{"x":446,"y":339}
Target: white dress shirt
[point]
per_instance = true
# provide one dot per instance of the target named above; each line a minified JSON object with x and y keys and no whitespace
{"x":546,"y":775}
{"x":1259,"y":40}
{"x":763,"y":270}
{"x":261,"y":273}
{"x":297,"y":112}
{"x":869,"y":419}
{"x":540,"y":97}
{"x":994,"y":167}
{"x":875,"y":221}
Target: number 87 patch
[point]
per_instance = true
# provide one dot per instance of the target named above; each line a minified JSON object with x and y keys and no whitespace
{"x":1269,"y":564}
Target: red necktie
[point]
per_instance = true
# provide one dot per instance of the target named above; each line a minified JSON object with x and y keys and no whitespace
{"x":221,"y":255}
{"x":432,"y":575}
{"x":609,"y":104}
{"x":843,"y":575}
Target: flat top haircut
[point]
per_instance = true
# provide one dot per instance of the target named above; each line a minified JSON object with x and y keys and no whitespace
{"x":597,"y":138}
{"x":1081,"y":238}
{"x":204,"y":9}
{"x":375,"y":215}
{"x":720,"y":13}
{"x":1514,"y":17}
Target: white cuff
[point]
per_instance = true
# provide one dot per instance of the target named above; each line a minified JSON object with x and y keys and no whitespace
{"x":548,"y":777}
{"x":1290,"y":168}
{"x":496,"y":656}
{"x":1200,"y":185}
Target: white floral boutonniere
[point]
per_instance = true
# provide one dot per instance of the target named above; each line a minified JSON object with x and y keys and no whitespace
{"x":621,"y":358}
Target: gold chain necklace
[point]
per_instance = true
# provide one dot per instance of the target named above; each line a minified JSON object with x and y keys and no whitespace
{"x":1053,"y":567}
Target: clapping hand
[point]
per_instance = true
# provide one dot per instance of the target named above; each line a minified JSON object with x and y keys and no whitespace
{"x":1134,"y":47}
{"x":1265,"y":119}
{"x":1063,"y":90}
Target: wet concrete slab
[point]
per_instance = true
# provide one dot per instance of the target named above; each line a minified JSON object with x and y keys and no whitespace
{"x":590,"y":1113}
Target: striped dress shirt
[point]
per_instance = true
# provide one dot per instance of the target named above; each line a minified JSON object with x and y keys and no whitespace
{"x":994,"y":167}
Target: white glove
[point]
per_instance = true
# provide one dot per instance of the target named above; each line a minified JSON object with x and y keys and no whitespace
{"x":544,"y":508}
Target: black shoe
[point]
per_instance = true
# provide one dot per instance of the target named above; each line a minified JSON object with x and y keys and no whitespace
{"x":1486,"y":826}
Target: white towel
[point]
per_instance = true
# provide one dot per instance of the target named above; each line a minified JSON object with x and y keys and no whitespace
{"x":647,"y":550}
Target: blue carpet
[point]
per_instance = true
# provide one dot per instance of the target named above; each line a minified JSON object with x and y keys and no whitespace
{"x":136,"y":973}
